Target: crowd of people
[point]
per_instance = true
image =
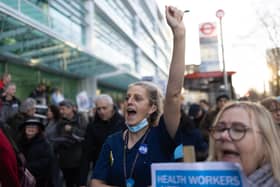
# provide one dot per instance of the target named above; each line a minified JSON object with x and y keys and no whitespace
{"x":113,"y":148}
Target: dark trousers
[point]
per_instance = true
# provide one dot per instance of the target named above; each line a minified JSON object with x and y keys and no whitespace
{"x":71,"y":176}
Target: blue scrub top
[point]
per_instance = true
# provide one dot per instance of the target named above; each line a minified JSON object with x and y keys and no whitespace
{"x":109,"y":166}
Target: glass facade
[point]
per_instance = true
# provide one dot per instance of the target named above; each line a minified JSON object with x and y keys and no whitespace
{"x":64,"y":17}
{"x":120,"y":12}
{"x":83,"y":41}
{"x":138,"y":22}
{"x":113,"y":43}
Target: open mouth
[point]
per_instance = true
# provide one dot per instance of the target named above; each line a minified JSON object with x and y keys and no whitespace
{"x":131,"y":112}
{"x":230,"y":155}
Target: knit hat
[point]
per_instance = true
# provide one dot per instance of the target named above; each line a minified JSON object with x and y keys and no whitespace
{"x":67,"y":103}
{"x":222,"y":96}
{"x":194,"y":110}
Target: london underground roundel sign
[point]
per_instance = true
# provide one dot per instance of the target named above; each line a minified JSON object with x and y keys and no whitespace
{"x":207,"y":28}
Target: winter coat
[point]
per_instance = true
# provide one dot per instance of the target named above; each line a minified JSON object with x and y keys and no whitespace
{"x":39,"y":156}
{"x":13,"y":124}
{"x":69,"y":144}
{"x":96,"y":134}
{"x":98,"y":131}
{"x":9,"y":108}
{"x":51,"y":131}
{"x":8,"y":164}
{"x":187,"y":134}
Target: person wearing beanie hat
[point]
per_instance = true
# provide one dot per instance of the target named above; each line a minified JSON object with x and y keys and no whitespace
{"x":71,"y":131}
{"x":221,"y":100}
{"x":194,"y":111}
{"x":36,"y":150}
{"x":197,"y":114}
{"x":67,"y":103}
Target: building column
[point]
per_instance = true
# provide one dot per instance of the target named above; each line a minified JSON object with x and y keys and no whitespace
{"x":90,"y":86}
{"x":137,"y":59}
{"x":89,"y":30}
{"x":136,"y":25}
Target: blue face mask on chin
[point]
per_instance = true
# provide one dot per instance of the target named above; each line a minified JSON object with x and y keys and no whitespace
{"x":139,"y":126}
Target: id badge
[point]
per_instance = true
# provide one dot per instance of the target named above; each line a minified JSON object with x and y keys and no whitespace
{"x":129,"y":182}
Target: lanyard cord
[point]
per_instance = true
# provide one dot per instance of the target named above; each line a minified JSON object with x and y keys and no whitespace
{"x":137,"y":154}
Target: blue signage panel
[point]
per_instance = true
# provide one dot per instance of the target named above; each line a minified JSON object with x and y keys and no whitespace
{"x":210,"y":174}
{"x":193,"y":178}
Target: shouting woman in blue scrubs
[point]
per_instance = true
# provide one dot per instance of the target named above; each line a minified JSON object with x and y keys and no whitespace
{"x":126,"y":156}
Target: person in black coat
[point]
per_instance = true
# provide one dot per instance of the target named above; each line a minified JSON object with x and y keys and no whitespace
{"x":107,"y":121}
{"x":37,"y":151}
{"x":9,"y":104}
{"x":40,"y":94}
{"x":27,"y":109}
{"x":69,"y":141}
{"x":189,"y":135}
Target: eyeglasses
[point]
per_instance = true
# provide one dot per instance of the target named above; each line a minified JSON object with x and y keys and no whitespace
{"x":236,"y":132}
{"x":275,"y":110}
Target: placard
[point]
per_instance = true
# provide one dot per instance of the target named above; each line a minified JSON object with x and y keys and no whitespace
{"x":210,"y":174}
{"x":83,"y":101}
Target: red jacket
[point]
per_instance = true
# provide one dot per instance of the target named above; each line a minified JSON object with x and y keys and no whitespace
{"x":1,"y":84}
{"x":8,"y":163}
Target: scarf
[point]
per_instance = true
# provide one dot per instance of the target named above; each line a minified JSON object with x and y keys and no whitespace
{"x":263,"y":177}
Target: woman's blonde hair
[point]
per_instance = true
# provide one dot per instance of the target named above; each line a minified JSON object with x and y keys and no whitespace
{"x":263,"y":120}
{"x":270,"y":103}
{"x":155,"y":98}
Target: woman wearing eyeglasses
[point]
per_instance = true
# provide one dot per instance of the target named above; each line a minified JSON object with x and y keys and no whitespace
{"x":244,"y":132}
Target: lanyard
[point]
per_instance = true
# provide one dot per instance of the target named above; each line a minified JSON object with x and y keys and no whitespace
{"x":137,"y":154}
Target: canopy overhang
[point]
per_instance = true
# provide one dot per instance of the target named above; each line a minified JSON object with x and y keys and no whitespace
{"x":27,"y":42}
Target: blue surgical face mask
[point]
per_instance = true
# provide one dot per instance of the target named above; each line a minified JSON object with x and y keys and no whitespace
{"x":139,"y":126}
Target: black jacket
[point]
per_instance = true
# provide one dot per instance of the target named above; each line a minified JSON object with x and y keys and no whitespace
{"x":96,"y":134}
{"x":98,"y":131}
{"x":9,"y":108}
{"x":69,"y":144}
{"x":39,"y":156}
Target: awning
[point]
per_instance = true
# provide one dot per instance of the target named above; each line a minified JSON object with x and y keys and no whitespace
{"x":211,"y":74}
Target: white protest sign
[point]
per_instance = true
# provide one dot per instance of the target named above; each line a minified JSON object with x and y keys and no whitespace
{"x":83,"y":101}
{"x":210,"y":174}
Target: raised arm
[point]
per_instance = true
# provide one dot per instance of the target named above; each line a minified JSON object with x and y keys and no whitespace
{"x":172,"y":103}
